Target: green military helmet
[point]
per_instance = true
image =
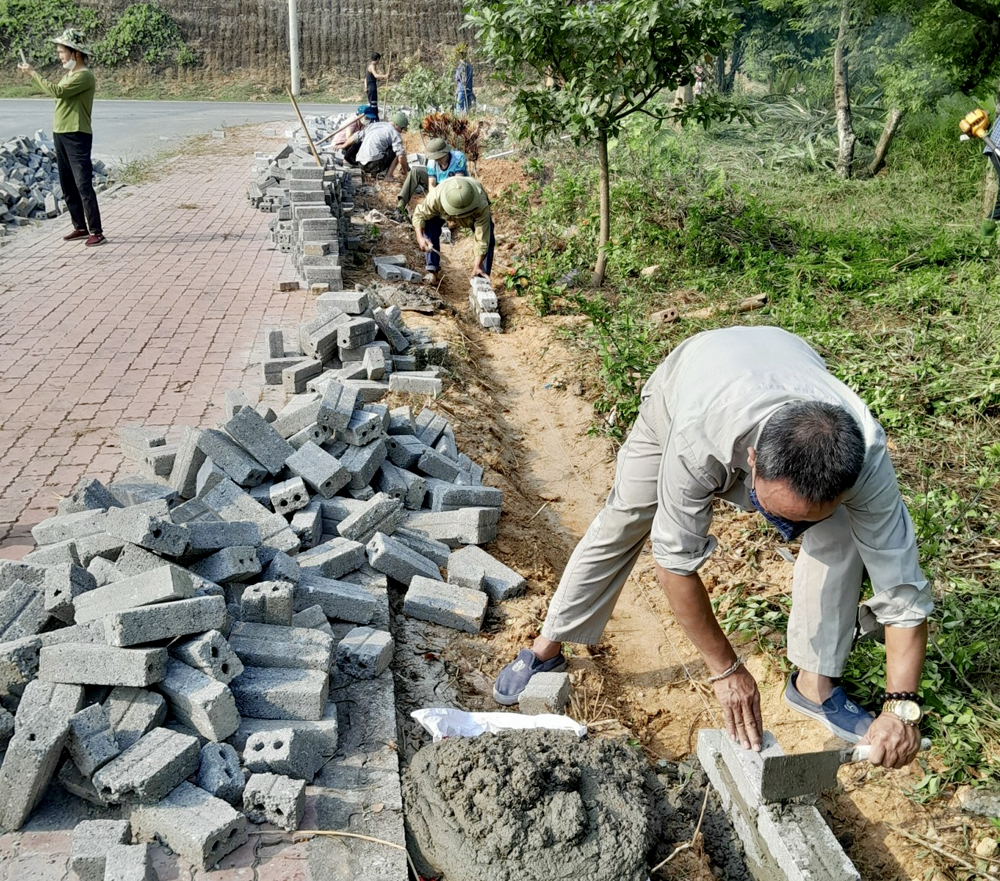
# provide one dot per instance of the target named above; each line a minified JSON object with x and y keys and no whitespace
{"x":400,"y":120}
{"x":438,"y":149}
{"x":460,"y":195}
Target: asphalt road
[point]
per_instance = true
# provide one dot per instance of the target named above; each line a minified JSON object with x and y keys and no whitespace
{"x":126,"y":130}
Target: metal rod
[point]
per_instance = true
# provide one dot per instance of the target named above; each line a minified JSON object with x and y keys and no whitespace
{"x":293,"y":44}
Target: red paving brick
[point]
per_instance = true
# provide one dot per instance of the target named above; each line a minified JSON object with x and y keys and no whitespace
{"x":151,"y":328}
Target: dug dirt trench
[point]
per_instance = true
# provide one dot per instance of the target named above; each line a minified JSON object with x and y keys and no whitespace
{"x":519,"y":404}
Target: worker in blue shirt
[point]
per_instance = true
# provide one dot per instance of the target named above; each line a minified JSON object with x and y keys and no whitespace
{"x":442,"y":162}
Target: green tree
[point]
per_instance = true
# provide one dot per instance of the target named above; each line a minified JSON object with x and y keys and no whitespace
{"x":603,"y":62}
{"x":28,"y":24}
{"x":144,"y":32}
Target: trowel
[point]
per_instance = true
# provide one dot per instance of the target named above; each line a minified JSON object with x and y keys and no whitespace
{"x":784,"y":777}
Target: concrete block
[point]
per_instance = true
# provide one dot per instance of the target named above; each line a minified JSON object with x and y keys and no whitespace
{"x":545,"y":693}
{"x":199,"y":701}
{"x":65,"y":700}
{"x":88,"y":494}
{"x":164,"y":621}
{"x":323,"y":734}
{"x":90,"y":664}
{"x":434,"y":464}
{"x":472,"y":565}
{"x":311,"y":434}
{"x":444,"y":496}
{"x":289,"y":495}
{"x":427,"y":547}
{"x":404,"y":450}
{"x":137,"y":492}
{"x":166,"y":582}
{"x":193,"y":823}
{"x":300,"y":412}
{"x":268,"y":602}
{"x":333,"y":558}
{"x":445,"y":604}
{"x":18,"y":667}
{"x":399,"y":562}
{"x":282,"y":568}
{"x":210,"y":653}
{"x":232,"y":503}
{"x":363,"y":461}
{"x":337,"y":406}
{"x":430,"y":426}
{"x":363,"y":428}
{"x":282,"y":751}
{"x":349,"y":302}
{"x":187,"y":462}
{"x":375,"y":363}
{"x":397,"y":339}
{"x":129,"y":862}
{"x":28,"y":766}
{"x":275,"y":799}
{"x":337,"y":509}
{"x":232,"y":458}
{"x":281,"y":693}
{"x":63,"y":552}
{"x":91,"y":743}
{"x":273,"y":369}
{"x":398,"y":483}
{"x":270,"y":645}
{"x":229,"y":564}
{"x":341,"y":600}
{"x":323,"y":473}
{"x":206,"y":536}
{"x":133,"y":712}
{"x":73,"y":781}
{"x":380,"y":514}
{"x":314,"y":618}
{"x":65,"y":527}
{"x":103,"y":571}
{"x":295,"y":377}
{"x":415,"y":383}
{"x":274,"y":343}
{"x":92,"y":839}
{"x":219,"y":772}
{"x":22,"y":611}
{"x":156,"y":533}
{"x":369,"y":390}
{"x":7,"y":725}
{"x":13,"y":571}
{"x":364,"y":652}
{"x":318,"y":338}
{"x":149,"y":769}
{"x":259,"y":439}
{"x":307,"y":524}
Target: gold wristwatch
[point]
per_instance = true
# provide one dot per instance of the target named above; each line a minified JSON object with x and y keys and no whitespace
{"x":910,"y":712}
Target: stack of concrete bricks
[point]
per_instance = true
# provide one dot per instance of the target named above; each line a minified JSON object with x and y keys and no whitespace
{"x":29,"y":180}
{"x":182,"y":646}
{"x":354,"y":343}
{"x":485,"y":305}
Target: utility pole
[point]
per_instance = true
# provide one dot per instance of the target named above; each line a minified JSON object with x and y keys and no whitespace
{"x":293,"y":44}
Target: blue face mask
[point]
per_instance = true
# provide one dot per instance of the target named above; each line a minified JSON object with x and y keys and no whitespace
{"x":789,"y":530}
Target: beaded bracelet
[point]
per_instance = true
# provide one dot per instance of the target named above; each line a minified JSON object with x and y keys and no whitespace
{"x":901,"y":696}
{"x":736,"y":666}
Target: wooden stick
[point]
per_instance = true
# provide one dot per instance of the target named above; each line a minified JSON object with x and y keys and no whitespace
{"x":305,"y":128}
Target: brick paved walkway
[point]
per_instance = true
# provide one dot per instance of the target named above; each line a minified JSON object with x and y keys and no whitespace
{"x":150,"y":328}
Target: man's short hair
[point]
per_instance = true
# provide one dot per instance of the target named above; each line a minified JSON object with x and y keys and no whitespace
{"x":376,"y":56}
{"x":817,"y":448}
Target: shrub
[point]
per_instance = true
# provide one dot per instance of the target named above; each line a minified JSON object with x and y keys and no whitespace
{"x":27,"y":25}
{"x":144,"y":32}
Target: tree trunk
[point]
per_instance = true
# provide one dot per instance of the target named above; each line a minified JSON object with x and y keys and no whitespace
{"x":842,"y":97}
{"x":605,"y":187}
{"x":889,"y":130}
{"x":720,"y":73}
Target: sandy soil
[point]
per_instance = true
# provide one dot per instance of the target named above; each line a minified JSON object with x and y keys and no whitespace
{"x":519,"y":405}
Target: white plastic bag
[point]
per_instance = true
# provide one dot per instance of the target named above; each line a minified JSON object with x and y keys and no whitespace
{"x":442,"y":722}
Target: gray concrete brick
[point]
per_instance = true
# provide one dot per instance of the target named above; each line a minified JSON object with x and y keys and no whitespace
{"x":300,"y":412}
{"x":205,"y":536}
{"x":91,"y":743}
{"x":187,"y":461}
{"x":233,"y":401}
{"x":166,"y":582}
{"x":232,"y":503}
{"x":399,"y":562}
{"x":369,"y":390}
{"x":152,"y":623}
{"x":354,"y":357}
{"x":545,"y":693}
{"x":275,"y":799}
{"x":363,"y":461}
{"x":75,"y":783}
{"x":267,"y":602}
{"x":295,"y":377}
{"x":90,"y":664}
{"x":363,"y":428}
{"x":149,"y":769}
{"x":445,"y":604}
{"x":375,"y":363}
{"x":404,"y":363}
{"x":13,"y":571}
{"x":499,"y":581}
{"x":18,"y":667}
{"x":219,"y":772}
{"x":22,"y":611}
{"x":311,"y":434}
{"x":398,"y":483}
{"x":341,"y":600}
{"x":444,"y":496}
{"x":323,"y":733}
{"x":229,"y":564}
{"x":281,"y":693}
{"x":193,"y":823}
{"x":430,"y":426}
{"x":199,"y":701}
{"x":63,"y":552}
{"x":282,"y":751}
{"x":337,"y":509}
{"x":65,"y":700}
{"x":427,"y":547}
{"x":356,"y":332}
{"x":7,"y":726}
{"x":92,"y":839}
{"x":333,"y":558}
{"x":283,"y":568}
{"x":270,"y":645}
{"x":380,"y":514}
{"x":404,"y":450}
{"x":337,"y":406}
{"x":225,"y":453}
{"x":259,"y":439}
{"x":193,"y":511}
{"x":88,"y":494}
{"x":273,"y":369}
{"x":434,"y":464}
{"x":321,"y":471}
{"x":134,"y":560}
{"x":364,"y":652}
{"x":103,"y":571}
{"x":415,"y":383}
{"x":349,"y":302}
{"x":314,"y":618}
{"x":274,"y":343}
{"x":156,"y":533}
{"x":289,"y":495}
{"x":210,"y":653}
{"x":307,"y":524}
{"x":133,"y":712}
{"x":131,"y":862}
{"x":133,"y":491}
{"x":64,"y":527}
{"x":63,"y":583}
{"x":29,"y":764}
{"x":318,"y":338}
{"x":396,"y":338}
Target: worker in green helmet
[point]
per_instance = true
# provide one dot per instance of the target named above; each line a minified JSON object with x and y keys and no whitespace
{"x":460,"y":202}
{"x":381,"y":148}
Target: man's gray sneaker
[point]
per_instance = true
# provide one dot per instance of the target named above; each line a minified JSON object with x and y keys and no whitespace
{"x":514,"y":678}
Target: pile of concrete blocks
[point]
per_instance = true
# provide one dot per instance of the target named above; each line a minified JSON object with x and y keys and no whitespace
{"x":354,"y":343}
{"x":485,"y":305}
{"x":393,"y":268}
{"x":179,"y":644}
{"x":29,"y":180}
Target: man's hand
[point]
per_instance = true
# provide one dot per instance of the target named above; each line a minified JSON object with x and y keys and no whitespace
{"x":424,"y":243}
{"x":894,"y":744}
{"x":740,"y":701}
{"x":26,"y":68}
{"x":477,"y":269}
